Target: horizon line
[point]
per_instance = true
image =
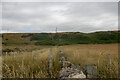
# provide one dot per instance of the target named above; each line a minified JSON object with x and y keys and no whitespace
{"x":62,"y":31}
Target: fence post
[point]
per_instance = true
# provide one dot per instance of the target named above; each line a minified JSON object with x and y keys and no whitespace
{"x":110,"y":63}
{"x":22,"y":63}
{"x":6,"y":53}
{"x":12,"y":54}
{"x":51,"y":62}
{"x":32,"y":55}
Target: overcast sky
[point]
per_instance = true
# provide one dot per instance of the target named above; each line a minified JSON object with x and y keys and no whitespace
{"x":36,"y":17}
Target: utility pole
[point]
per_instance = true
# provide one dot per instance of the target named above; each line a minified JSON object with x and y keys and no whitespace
{"x":6,"y":29}
{"x":56,"y":29}
{"x":57,"y":39}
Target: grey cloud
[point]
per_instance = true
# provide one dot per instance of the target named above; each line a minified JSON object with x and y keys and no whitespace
{"x":67,"y":16}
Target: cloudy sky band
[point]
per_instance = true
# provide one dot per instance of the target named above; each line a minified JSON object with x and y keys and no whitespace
{"x":66,"y":16}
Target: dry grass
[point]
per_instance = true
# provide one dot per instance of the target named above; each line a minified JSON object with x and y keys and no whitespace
{"x":25,"y":47}
{"x":24,"y":65}
{"x":95,"y":54}
{"x":15,"y":39}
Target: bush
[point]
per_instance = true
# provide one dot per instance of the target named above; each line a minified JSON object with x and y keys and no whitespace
{"x":16,"y":49}
{"x":26,"y":35}
{"x":26,"y":43}
{"x":7,"y":50}
{"x":44,"y":42}
{"x":75,"y":38}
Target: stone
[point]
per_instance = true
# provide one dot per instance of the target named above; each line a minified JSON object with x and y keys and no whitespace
{"x":66,"y":64}
{"x":69,"y":70}
{"x":78,"y":76}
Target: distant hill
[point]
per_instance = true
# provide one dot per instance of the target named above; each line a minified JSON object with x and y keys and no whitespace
{"x":63,"y":38}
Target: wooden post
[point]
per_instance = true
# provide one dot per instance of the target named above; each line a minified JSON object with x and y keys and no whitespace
{"x":6,"y":53}
{"x":32,"y":55}
{"x":50,"y":59}
{"x":110,"y":63}
{"x":12,"y":54}
{"x":51,"y":62}
{"x":99,"y":59}
{"x":110,"y":60}
{"x":22,"y":63}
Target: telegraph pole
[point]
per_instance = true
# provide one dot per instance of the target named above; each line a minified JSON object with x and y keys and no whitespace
{"x":56,"y":29}
{"x":57,"y":41}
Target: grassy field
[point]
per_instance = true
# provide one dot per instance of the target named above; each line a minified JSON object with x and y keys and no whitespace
{"x":24,"y":65}
{"x":30,"y":65}
{"x":94,"y":54}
